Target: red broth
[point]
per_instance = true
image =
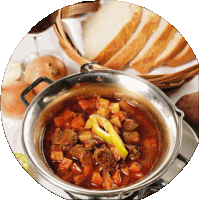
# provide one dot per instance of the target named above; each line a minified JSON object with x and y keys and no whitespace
{"x":75,"y":152}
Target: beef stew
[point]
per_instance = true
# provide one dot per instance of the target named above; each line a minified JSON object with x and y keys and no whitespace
{"x":101,"y":143}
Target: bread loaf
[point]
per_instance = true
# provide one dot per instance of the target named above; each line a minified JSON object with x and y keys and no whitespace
{"x":148,"y":24}
{"x":109,"y":29}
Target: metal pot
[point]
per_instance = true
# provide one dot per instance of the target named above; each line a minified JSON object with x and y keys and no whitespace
{"x":106,"y":83}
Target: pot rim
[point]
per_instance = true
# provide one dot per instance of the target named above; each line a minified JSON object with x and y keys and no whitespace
{"x":122,"y":191}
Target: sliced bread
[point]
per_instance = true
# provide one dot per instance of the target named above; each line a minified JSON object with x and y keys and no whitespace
{"x":109,"y":29}
{"x":182,"y":57}
{"x":174,"y":47}
{"x":148,"y":24}
{"x":156,"y":44}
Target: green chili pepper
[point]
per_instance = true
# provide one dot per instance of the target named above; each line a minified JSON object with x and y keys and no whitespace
{"x":109,"y":135}
{"x":22,"y":160}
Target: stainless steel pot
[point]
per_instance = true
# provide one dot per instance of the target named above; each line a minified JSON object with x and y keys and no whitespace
{"x":106,"y":83}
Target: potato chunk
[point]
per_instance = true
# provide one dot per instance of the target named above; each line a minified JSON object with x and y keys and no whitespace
{"x":103,"y":112}
{"x":85,"y":136}
{"x":116,"y":122}
{"x":102,"y":103}
{"x":114,"y":107}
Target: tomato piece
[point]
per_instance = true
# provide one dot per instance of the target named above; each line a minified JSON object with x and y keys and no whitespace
{"x":125,"y":171}
{"x":135,"y":167}
{"x":96,"y":178}
{"x":59,"y":121}
{"x":138,"y":175}
{"x":87,"y":170}
{"x":65,"y":164}
{"x":116,"y":177}
{"x":76,"y":169}
{"x":78,"y":122}
{"x":68,"y":115}
{"x":79,"y":179}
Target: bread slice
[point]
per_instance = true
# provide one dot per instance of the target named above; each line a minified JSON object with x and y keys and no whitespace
{"x":156,"y":44}
{"x":108,"y":30}
{"x":174,"y":47}
{"x":13,"y":72}
{"x":148,"y":24}
{"x":182,"y":57}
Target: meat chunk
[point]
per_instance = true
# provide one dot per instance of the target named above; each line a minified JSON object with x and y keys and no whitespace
{"x":130,"y":124}
{"x":105,"y":158}
{"x":131,"y":137}
{"x":82,"y":154}
{"x":67,"y":137}
{"x":115,"y":153}
{"x":133,"y":151}
{"x":94,"y":141}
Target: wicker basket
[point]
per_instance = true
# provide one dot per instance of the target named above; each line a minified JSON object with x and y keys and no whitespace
{"x":163,"y":81}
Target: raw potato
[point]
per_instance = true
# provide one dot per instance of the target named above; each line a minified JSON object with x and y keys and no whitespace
{"x":189,"y":104}
{"x":13,"y":72}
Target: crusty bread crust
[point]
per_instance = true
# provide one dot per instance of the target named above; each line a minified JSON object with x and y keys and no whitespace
{"x":182,"y":57}
{"x":181,"y":44}
{"x":121,"y":39}
{"x":146,"y":62}
{"x":130,"y":50}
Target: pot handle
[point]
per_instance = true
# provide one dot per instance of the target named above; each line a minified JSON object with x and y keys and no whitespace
{"x":31,"y":86}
